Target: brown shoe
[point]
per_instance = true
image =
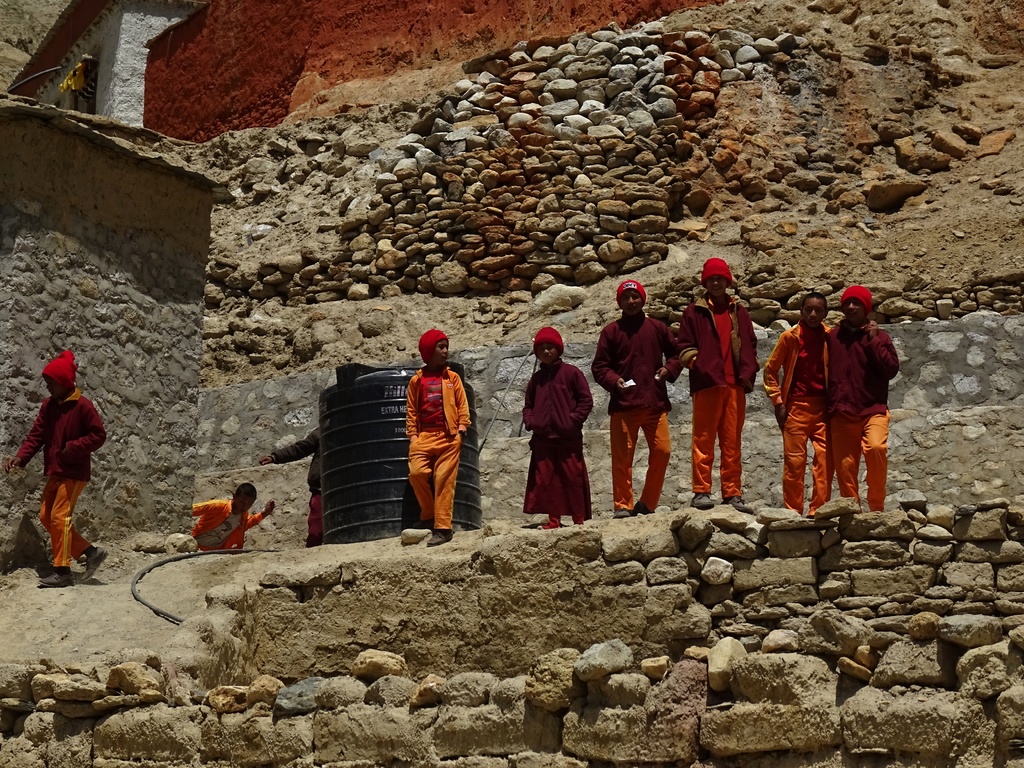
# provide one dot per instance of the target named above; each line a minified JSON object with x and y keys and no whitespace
{"x":58,"y":580}
{"x":93,"y":562}
{"x":441,"y":536}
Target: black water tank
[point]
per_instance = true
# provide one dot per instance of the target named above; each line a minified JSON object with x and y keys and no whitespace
{"x":365,"y":457}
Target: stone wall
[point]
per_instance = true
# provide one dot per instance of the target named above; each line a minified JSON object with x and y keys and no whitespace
{"x":100,"y":252}
{"x":955,"y":433}
{"x":676,"y":639}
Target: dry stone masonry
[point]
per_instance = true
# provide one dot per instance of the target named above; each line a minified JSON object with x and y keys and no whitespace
{"x":680,"y":639}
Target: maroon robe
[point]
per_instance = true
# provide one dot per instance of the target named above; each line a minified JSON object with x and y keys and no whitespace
{"x":558,"y":401}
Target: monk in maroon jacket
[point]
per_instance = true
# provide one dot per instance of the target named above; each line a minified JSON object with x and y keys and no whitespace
{"x":635,"y":357}
{"x":68,"y":430}
{"x":558,"y":401}
{"x":862,"y":360}
{"x":718,"y":345}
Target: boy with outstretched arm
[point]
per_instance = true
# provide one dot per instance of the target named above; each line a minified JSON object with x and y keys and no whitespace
{"x":69,"y":430}
{"x":558,"y":401}
{"x":222,"y":523}
{"x":635,"y":357}
{"x":436,"y":418}
{"x":300,"y":449}
{"x":862,"y":360}
{"x":718,"y":345}
{"x":801,"y":405}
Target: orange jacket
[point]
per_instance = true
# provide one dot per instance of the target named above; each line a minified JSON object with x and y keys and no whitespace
{"x":453,"y":398}
{"x":784,"y":356}
{"x":213,"y":514}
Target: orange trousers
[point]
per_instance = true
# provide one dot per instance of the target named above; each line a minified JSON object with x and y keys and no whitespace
{"x":851,"y":436}
{"x":59,"y":498}
{"x":806,"y":420}
{"x":625,"y":428}
{"x":435,"y":454}
{"x":718,"y":412}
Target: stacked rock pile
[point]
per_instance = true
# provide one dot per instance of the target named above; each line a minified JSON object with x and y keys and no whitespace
{"x":560,"y":162}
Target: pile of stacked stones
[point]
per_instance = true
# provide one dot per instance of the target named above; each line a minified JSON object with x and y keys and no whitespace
{"x":565,"y":161}
{"x":558,"y":163}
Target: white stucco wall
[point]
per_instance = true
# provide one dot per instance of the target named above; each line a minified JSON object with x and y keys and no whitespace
{"x":118,"y":40}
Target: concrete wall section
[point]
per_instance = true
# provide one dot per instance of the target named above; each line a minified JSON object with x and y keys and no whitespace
{"x":139,"y":23}
{"x":111,"y":269}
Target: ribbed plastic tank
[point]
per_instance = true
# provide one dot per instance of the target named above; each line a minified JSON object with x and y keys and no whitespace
{"x":365,"y":457}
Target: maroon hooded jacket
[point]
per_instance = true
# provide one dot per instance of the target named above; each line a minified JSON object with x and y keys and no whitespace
{"x":558,"y":401}
{"x":701,"y":349}
{"x":859,"y":371}
{"x":634,"y":348}
{"x":70,"y":430}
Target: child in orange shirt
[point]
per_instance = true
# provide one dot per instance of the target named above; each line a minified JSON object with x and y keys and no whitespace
{"x":436,"y":418}
{"x":222,"y":523}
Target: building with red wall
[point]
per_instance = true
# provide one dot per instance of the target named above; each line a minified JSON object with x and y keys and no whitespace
{"x":232,"y":64}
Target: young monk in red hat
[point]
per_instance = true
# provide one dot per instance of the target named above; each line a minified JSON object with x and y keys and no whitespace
{"x":558,"y":401}
{"x":718,"y":345}
{"x":635,"y":357}
{"x":436,"y":418}
{"x":68,"y":429}
{"x":862,"y":360}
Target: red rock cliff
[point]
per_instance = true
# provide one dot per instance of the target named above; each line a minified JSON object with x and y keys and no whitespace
{"x":245,"y":63}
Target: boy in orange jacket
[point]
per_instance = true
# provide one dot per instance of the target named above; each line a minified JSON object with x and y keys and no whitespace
{"x":222,"y":523}
{"x":801,"y":404}
{"x":69,"y":430}
{"x":436,"y":418}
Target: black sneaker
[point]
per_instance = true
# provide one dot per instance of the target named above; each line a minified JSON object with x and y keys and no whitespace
{"x":641,"y":509}
{"x":737,"y":503}
{"x":622,"y":513}
{"x":93,"y":563}
{"x":58,"y":580}
{"x":702,"y":501}
{"x":441,"y":536}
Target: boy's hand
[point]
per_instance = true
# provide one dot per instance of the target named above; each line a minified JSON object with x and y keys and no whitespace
{"x":264,"y":460}
{"x":662,"y":374}
{"x":269,"y":508}
{"x":10,"y":462}
{"x":780,"y":415}
{"x":463,"y":429}
{"x":872,"y":329}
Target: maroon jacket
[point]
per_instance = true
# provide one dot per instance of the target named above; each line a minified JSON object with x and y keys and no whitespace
{"x":70,"y":430}
{"x":859,"y":371}
{"x":558,"y":401}
{"x":300,"y":449}
{"x":634,"y":348}
{"x":701,"y":349}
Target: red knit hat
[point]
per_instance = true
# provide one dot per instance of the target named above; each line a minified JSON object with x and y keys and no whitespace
{"x":428,"y":342}
{"x":548,"y":335}
{"x":62,"y":369}
{"x":627,"y":285}
{"x":859,"y":293}
{"x":714,"y":267}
